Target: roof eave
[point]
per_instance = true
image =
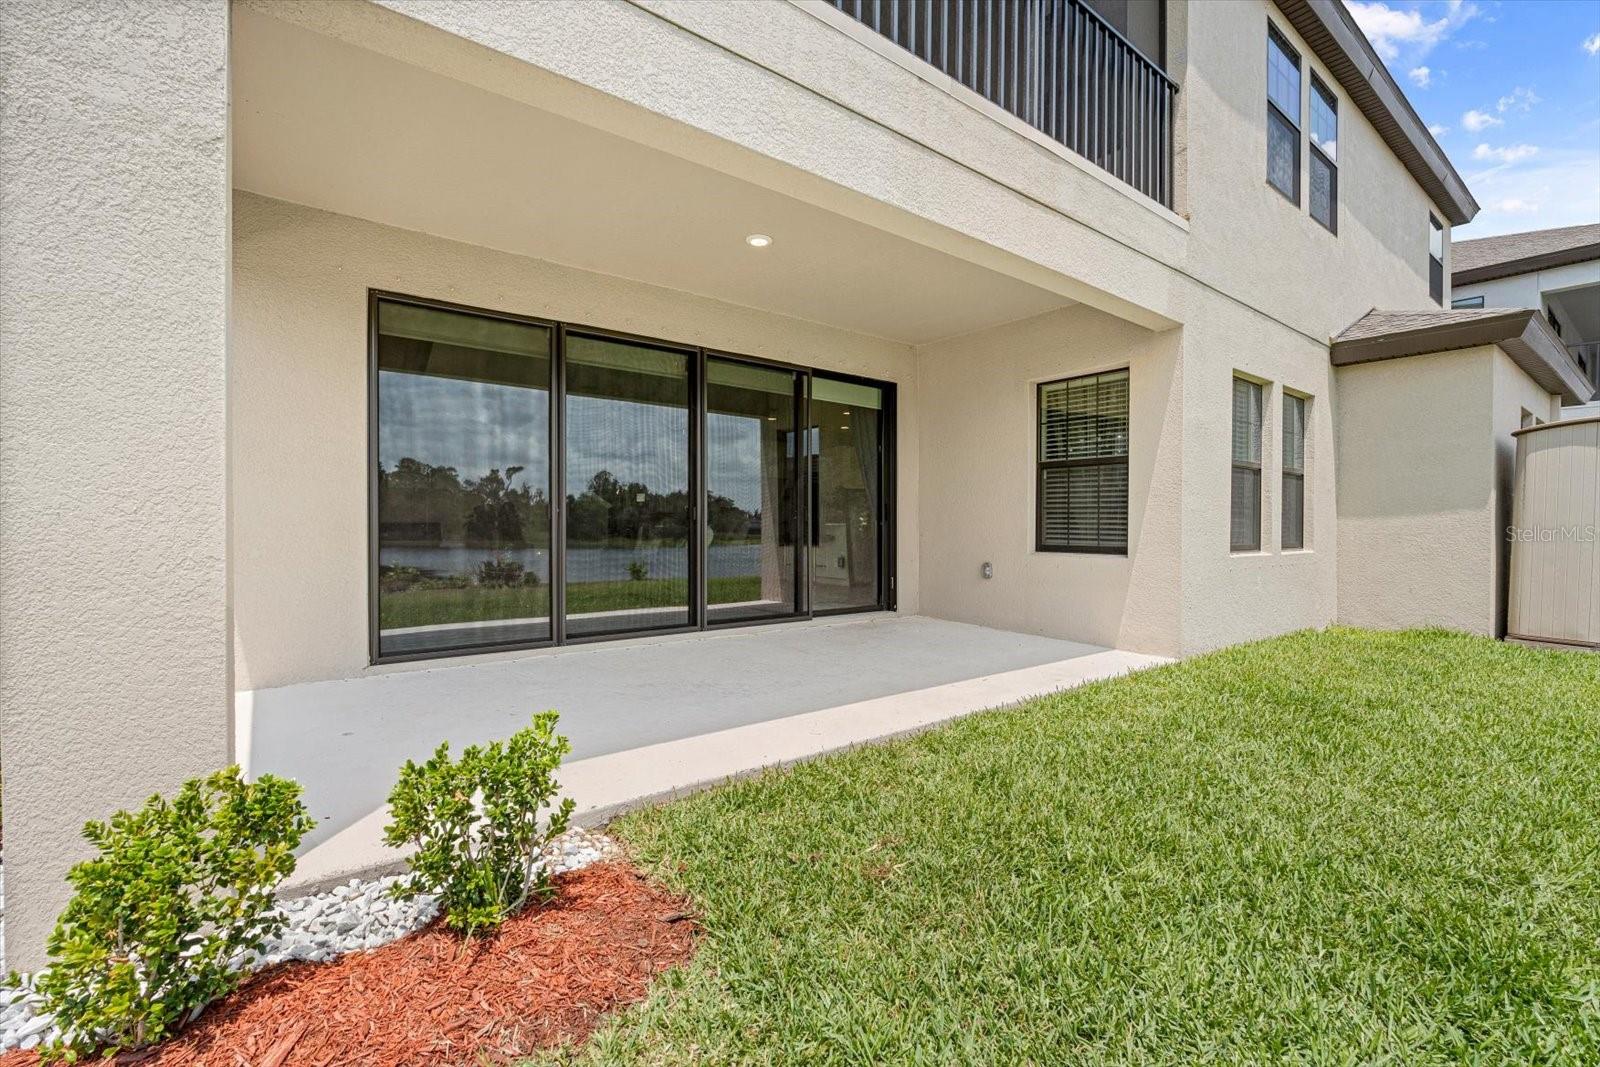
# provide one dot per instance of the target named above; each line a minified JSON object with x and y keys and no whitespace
{"x":1523,"y":334}
{"x":1336,"y":39}
{"x":1526,"y":265}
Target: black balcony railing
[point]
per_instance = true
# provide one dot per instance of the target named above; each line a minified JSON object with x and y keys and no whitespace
{"x":1054,"y":64}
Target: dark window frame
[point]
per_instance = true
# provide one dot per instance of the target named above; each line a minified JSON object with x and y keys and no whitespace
{"x":1276,"y":37}
{"x":1466,"y":303}
{"x":887,"y":538}
{"x":1317,"y":154}
{"x":1435,"y":263}
{"x":1294,"y":473}
{"x":1256,"y":466}
{"x":1041,"y":465}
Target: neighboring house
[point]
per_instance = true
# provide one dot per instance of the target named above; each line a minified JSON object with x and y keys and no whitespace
{"x":1554,"y":271}
{"x":339,"y":341}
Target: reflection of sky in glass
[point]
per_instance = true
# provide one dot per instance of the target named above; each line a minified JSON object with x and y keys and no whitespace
{"x":471,"y":426}
{"x":734,"y":459}
{"x":475,"y":427}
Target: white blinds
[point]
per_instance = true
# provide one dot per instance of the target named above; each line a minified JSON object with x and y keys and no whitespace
{"x":1083,"y":456}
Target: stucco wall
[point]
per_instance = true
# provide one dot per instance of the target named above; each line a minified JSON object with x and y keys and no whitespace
{"x":1240,"y":596}
{"x":1425,"y":459}
{"x":1525,"y":290}
{"x":113,"y":287}
{"x":1514,"y":393}
{"x":880,"y":138}
{"x":298,"y":385}
{"x":979,"y":485}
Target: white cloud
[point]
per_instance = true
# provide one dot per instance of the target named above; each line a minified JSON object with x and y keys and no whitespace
{"x":1438,"y":129}
{"x":1591,"y":44}
{"x":1509,"y":154}
{"x":1555,"y":189}
{"x":1519,"y":98}
{"x":1422,"y":76}
{"x":1394,"y":30}
{"x":1478,"y":120}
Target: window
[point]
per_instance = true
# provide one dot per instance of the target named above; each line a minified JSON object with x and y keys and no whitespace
{"x":1245,"y":505}
{"x":1283,"y":115}
{"x":1083,"y":464}
{"x":1467,"y":303}
{"x":1436,"y":260}
{"x":534,"y":483}
{"x":1324,"y":155}
{"x":462,"y":481}
{"x":1294,"y":471}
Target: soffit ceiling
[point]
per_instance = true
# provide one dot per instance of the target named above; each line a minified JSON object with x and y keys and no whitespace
{"x":333,"y":126}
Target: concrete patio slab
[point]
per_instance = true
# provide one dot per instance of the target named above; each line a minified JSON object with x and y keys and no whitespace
{"x":666,"y":716}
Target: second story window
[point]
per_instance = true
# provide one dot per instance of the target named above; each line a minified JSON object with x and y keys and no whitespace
{"x":1283,"y":115}
{"x":1324,"y":155}
{"x":1467,"y":302}
{"x":1436,"y":260}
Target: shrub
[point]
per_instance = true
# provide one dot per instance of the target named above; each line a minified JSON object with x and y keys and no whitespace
{"x":638,"y":571}
{"x":496,"y":573}
{"x":476,"y":824}
{"x":179,"y":889}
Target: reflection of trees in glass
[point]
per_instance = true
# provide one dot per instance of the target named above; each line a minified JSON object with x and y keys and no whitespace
{"x":423,"y":504}
{"x":610,"y":510}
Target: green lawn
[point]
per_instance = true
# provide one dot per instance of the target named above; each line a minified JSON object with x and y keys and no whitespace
{"x":433,"y":607}
{"x":1328,"y":848}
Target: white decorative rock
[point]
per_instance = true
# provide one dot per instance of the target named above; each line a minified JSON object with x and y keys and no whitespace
{"x":357,"y":915}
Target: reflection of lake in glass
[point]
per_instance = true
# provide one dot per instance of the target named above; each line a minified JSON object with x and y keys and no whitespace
{"x":583,"y":564}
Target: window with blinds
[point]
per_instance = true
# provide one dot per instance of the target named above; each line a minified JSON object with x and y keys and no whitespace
{"x":1083,"y":464}
{"x":1294,"y":471}
{"x":1245,"y":506}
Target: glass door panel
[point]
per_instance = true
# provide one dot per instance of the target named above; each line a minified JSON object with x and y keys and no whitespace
{"x":463,"y":480}
{"x":628,"y":522}
{"x":847,"y":424}
{"x":751,"y":504}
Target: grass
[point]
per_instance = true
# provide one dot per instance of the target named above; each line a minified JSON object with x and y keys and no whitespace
{"x":433,"y":607}
{"x":1338,"y":847}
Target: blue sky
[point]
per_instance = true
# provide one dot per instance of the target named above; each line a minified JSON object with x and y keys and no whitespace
{"x":1511,"y":90}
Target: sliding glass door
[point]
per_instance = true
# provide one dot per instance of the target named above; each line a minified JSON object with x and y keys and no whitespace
{"x":534,"y":483}
{"x":462,"y":484}
{"x":848,"y":523}
{"x":752,"y":506}
{"x":628,"y":551}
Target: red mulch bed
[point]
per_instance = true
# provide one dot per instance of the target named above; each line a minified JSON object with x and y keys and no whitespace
{"x":545,"y":978}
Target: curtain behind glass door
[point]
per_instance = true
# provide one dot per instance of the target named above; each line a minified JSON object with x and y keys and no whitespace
{"x":847,"y":423}
{"x":752,"y":508}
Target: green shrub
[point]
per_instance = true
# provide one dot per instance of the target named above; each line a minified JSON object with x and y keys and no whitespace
{"x":476,"y":825}
{"x":638,"y":571}
{"x":498,"y":573}
{"x":179,"y":889}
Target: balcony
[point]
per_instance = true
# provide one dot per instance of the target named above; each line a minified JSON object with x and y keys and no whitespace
{"x":1054,"y":64}
{"x":1587,"y":357}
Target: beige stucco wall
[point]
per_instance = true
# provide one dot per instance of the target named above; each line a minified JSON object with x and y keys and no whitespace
{"x":113,"y":289}
{"x":871,"y":133}
{"x":1425,"y":453}
{"x":298,"y":385}
{"x":979,"y":485}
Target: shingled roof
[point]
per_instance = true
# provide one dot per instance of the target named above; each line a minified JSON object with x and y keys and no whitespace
{"x":1521,"y":253}
{"x":1523,"y":334}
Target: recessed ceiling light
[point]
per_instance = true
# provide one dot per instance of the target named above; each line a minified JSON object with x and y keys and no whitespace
{"x":758,"y":240}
